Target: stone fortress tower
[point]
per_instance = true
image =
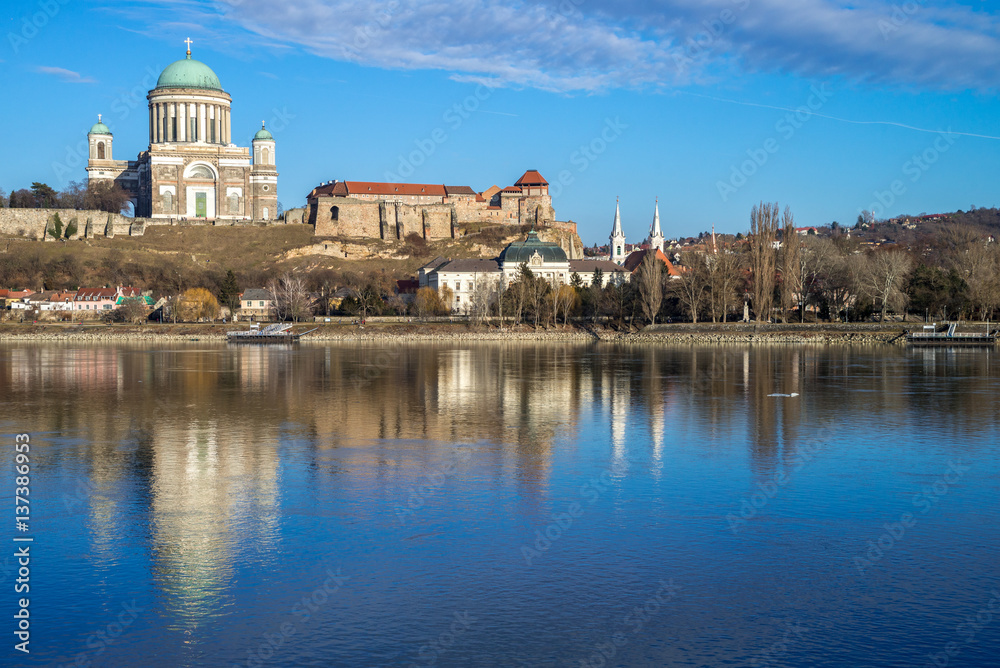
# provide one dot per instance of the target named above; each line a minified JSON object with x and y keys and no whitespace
{"x":191,"y":170}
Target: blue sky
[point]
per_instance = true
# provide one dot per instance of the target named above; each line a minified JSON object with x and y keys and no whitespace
{"x":710,"y":105}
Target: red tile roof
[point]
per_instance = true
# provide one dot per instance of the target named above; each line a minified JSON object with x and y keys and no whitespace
{"x":531,"y":178}
{"x":16,"y":294}
{"x":459,"y":190}
{"x":92,"y":294}
{"x":511,"y":189}
{"x":348,"y":188}
{"x":634,"y":259}
{"x":371,"y":188}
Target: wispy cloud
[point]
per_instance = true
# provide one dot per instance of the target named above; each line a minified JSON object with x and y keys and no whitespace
{"x":68,"y":76}
{"x":595,"y":45}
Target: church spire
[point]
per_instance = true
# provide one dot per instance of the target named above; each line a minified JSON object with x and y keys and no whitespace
{"x":617,"y":229}
{"x":656,"y":239}
{"x":617,"y":237}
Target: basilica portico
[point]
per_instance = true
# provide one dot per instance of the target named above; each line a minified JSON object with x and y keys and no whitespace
{"x":192,"y":169}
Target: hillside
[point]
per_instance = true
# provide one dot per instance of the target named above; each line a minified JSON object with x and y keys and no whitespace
{"x":168,"y":259}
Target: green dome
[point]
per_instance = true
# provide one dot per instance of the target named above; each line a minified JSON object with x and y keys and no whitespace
{"x":188,"y":73}
{"x":99,"y":128}
{"x":263,"y":134}
{"x":523,"y":251}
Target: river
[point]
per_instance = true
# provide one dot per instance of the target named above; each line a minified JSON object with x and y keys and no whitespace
{"x":564,"y":505}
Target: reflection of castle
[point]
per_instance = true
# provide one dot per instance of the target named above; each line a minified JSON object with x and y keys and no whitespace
{"x":191,"y":169}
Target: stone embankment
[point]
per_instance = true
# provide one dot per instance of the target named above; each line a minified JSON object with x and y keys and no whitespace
{"x":669,"y":334}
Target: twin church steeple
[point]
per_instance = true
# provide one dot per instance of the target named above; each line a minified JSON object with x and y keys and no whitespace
{"x":655,"y":239}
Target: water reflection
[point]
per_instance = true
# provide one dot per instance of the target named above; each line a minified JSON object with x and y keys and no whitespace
{"x":196,"y":459}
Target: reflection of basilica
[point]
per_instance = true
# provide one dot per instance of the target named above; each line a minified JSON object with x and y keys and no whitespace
{"x":193,"y":441}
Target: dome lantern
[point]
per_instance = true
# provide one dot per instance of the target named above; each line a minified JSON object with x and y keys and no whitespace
{"x":188,"y":73}
{"x":99,"y":128}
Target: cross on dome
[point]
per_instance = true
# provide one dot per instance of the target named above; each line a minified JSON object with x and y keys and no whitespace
{"x":188,"y":42}
{"x":98,"y":118}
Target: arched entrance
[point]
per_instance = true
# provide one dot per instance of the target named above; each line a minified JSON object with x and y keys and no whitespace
{"x":200,"y":179}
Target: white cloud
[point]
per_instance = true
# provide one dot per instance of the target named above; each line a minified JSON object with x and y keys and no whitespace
{"x":594,"y":45}
{"x":66,"y":75}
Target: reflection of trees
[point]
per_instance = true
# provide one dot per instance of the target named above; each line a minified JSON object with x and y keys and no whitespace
{"x":190,"y":441}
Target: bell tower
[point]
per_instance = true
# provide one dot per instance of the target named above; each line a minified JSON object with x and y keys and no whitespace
{"x":264,"y":176}
{"x":617,"y":238}
{"x":100,"y":139}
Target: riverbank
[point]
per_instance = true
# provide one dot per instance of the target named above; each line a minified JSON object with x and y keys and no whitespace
{"x":677,"y":334}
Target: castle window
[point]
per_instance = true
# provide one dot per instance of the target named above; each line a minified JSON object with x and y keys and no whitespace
{"x":334,"y":213}
{"x":100,"y":150}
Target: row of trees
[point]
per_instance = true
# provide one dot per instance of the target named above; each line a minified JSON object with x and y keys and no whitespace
{"x":781,"y":274}
{"x":100,"y":195}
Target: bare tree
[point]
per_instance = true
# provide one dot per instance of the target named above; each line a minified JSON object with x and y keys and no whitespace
{"x":791,"y":276}
{"x":565,"y":300}
{"x":882,"y":277}
{"x":650,"y":278}
{"x":979,"y":264}
{"x":134,"y":309}
{"x":691,"y":286}
{"x":725,"y":273}
{"x":764,"y":236}
{"x":483,"y":292}
{"x":290,"y":299}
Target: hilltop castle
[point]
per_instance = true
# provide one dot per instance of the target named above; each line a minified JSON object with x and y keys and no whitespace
{"x":392,"y":211}
{"x":192,"y":169}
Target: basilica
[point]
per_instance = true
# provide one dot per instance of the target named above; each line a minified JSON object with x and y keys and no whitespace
{"x":192,"y":169}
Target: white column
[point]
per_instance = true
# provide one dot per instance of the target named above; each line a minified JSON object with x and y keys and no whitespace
{"x":229,"y":126}
{"x":150,"y":124}
{"x":182,"y":128}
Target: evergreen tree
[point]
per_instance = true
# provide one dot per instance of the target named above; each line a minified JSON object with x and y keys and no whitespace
{"x":229,"y":292}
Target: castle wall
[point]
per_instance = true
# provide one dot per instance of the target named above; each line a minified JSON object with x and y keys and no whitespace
{"x":391,"y":221}
{"x":437,"y":222}
{"x":32,"y":223}
{"x":346,"y":217}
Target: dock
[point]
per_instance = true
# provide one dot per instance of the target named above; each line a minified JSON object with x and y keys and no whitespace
{"x":930,"y":336}
{"x":279,"y":332}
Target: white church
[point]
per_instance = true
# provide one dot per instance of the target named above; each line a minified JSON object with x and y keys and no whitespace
{"x":656,"y":240}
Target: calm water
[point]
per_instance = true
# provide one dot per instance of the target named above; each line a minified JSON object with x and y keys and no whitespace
{"x":505,"y":505}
